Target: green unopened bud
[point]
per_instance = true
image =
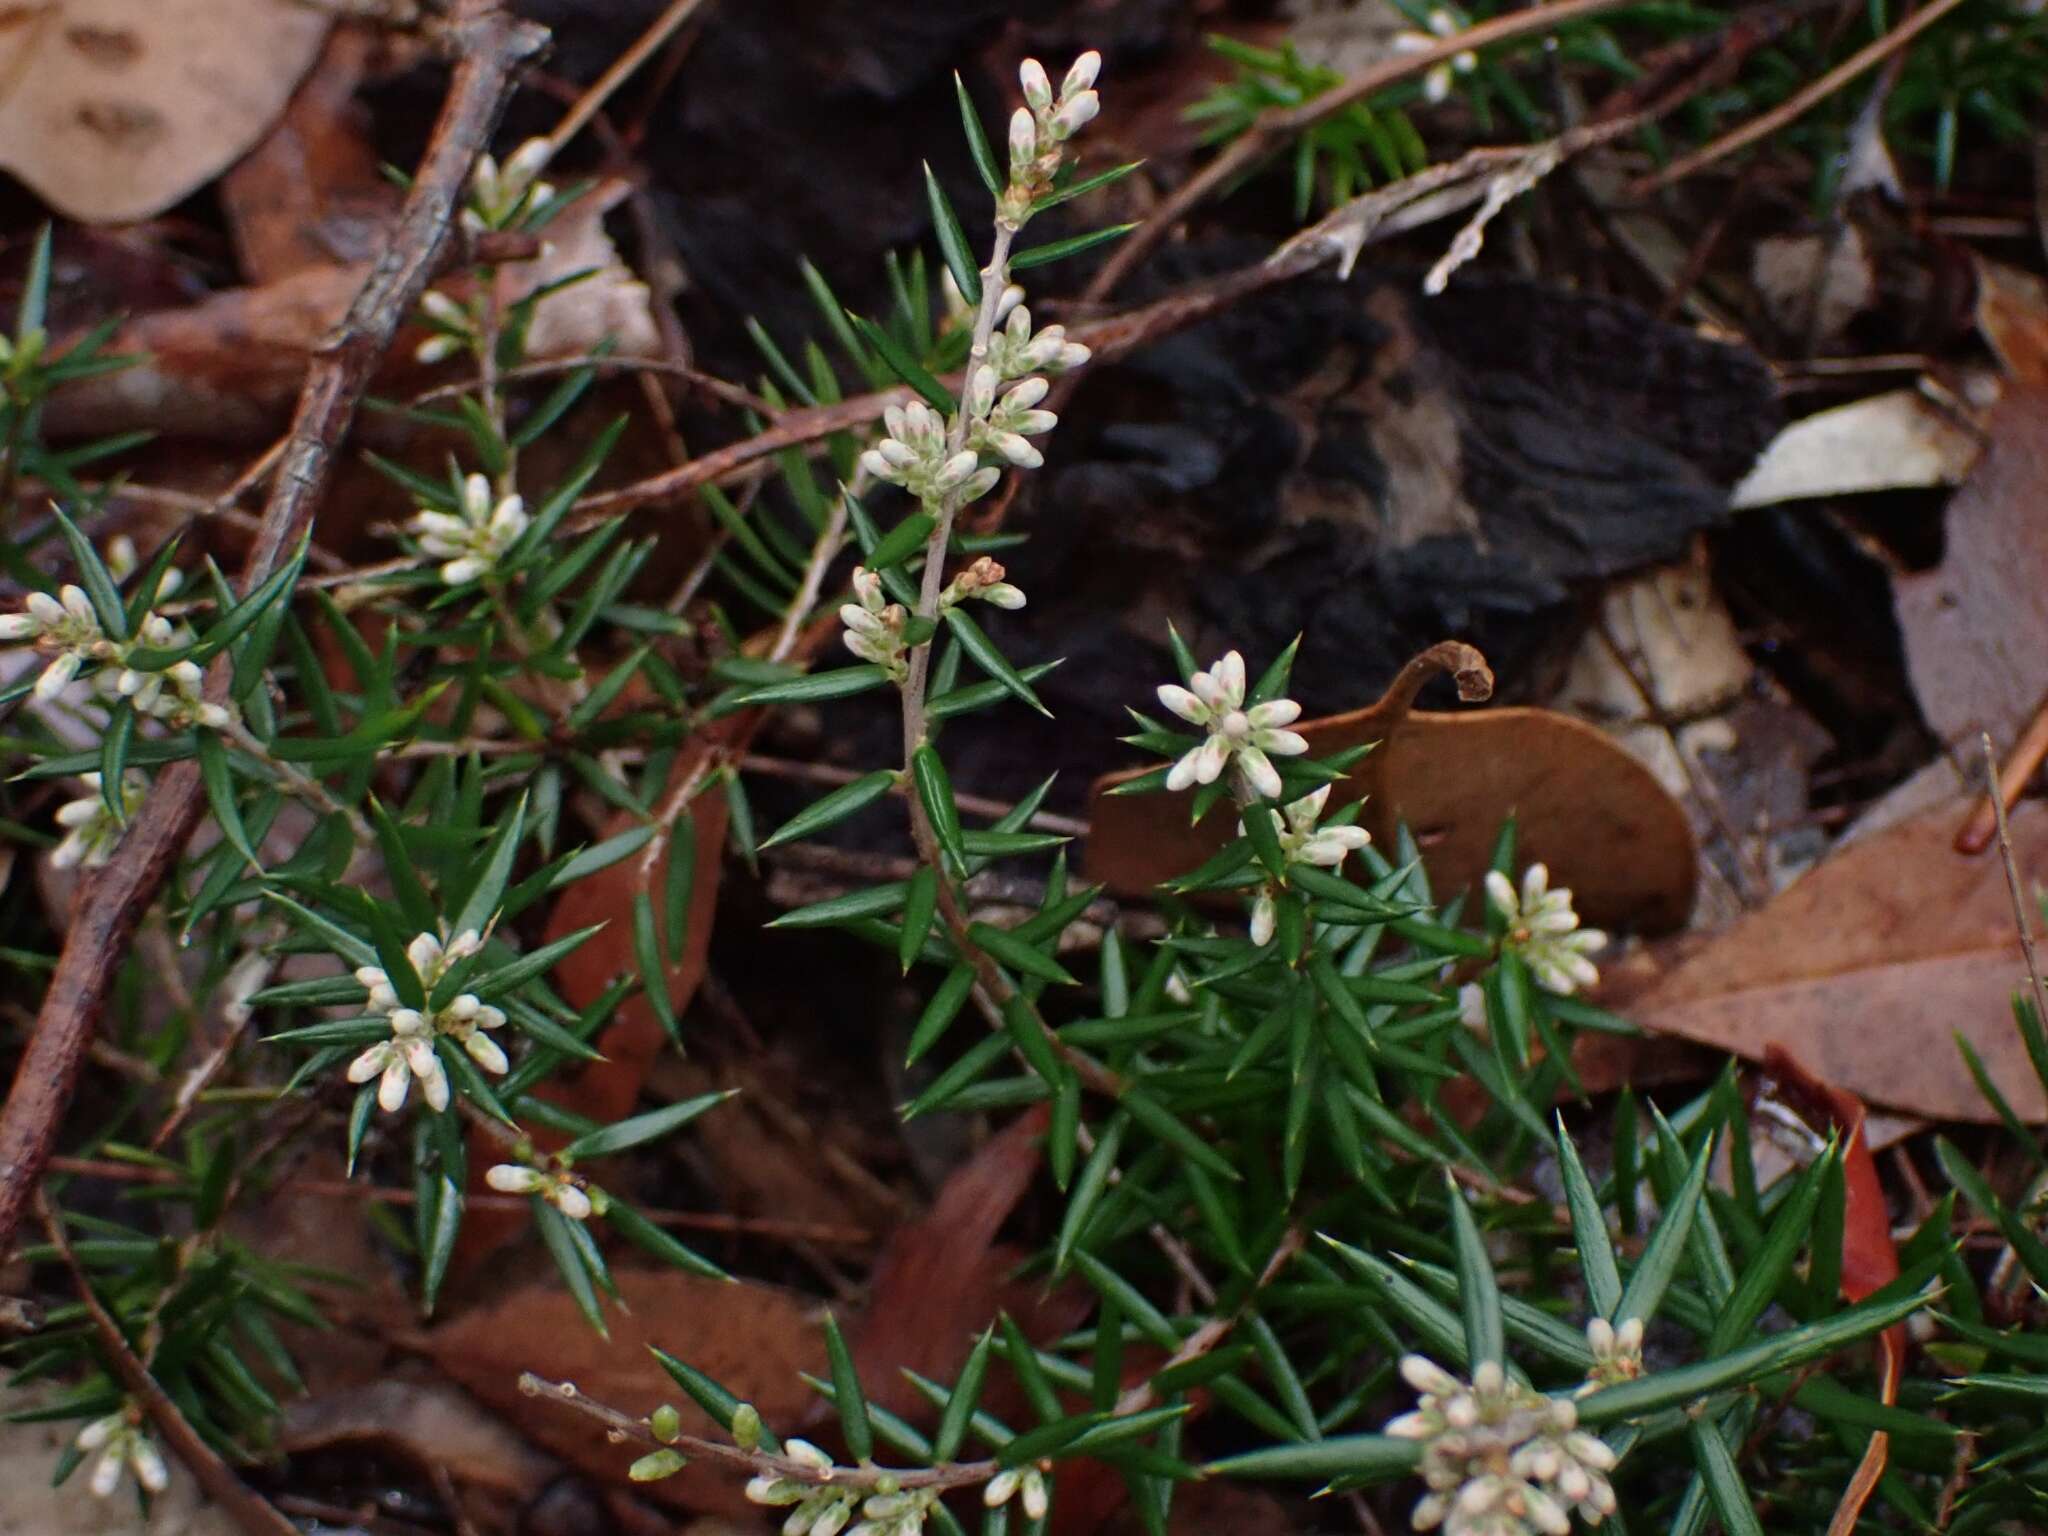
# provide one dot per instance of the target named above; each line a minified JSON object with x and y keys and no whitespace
{"x":666,"y":1423}
{"x":656,"y":1465}
{"x":746,"y":1427}
{"x":887,"y":1484}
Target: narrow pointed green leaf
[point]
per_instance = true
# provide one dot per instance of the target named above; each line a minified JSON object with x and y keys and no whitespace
{"x":935,"y":791}
{"x":962,"y":1401}
{"x":638,"y":1130}
{"x":830,"y":810}
{"x":95,"y":578}
{"x":977,"y":141}
{"x":847,"y":1395}
{"x":1667,"y":1244}
{"x":1589,"y":1230}
{"x":1020,"y":956}
{"x":904,"y":366}
{"x":818,"y":687}
{"x":918,"y":909}
{"x":1478,"y":1290}
{"x":1059,"y":250}
{"x":653,"y":969}
{"x":952,"y":239}
{"x":709,"y":1395}
{"x":991,"y":660}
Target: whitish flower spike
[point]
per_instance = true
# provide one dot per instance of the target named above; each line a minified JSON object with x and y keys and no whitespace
{"x":91,"y":830}
{"x":1247,"y":738}
{"x":122,"y":1445}
{"x":1500,"y":1458}
{"x":1544,"y":930}
{"x":474,"y":542}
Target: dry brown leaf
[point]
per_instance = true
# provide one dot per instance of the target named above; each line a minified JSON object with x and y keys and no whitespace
{"x":113,"y":110}
{"x":2012,"y":316}
{"x":1583,"y":804}
{"x":310,"y":193}
{"x":943,"y":1276}
{"x":756,"y":1339}
{"x":228,"y":368}
{"x":1865,"y":968}
{"x":1976,"y":626}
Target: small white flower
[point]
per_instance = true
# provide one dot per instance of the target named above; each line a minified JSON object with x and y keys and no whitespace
{"x":1023,"y":142}
{"x":1026,"y":1481}
{"x":1037,"y":85}
{"x":123,"y":1444}
{"x":1076,"y":112}
{"x":1265,"y":915}
{"x":1081,"y":74}
{"x":558,"y":1188}
{"x":1303,"y":842}
{"x":1472,"y":1006}
{"x":1215,"y":701}
{"x":1443,"y":25}
{"x":473,"y":543}
{"x":1617,"y":1355}
{"x":874,"y":626}
{"x":91,"y":830}
{"x":1500,"y":1458}
{"x":1545,"y":931}
{"x":982,"y":579}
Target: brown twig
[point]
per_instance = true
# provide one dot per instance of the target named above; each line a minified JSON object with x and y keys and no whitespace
{"x":1799,"y":102}
{"x":866,"y":1478}
{"x":110,"y":906}
{"x":1276,"y":125}
{"x":621,"y":70}
{"x":247,"y":1509}
{"x":1977,"y":833}
{"x":2013,"y":887}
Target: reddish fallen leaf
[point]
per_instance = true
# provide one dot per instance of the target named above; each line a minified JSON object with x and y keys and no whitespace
{"x":1594,"y":813}
{"x":607,"y":1090}
{"x":755,"y":1339}
{"x":2012,"y":316}
{"x":1866,"y":968}
{"x":310,"y":193}
{"x":942,"y":1277}
{"x":1870,"y":1259}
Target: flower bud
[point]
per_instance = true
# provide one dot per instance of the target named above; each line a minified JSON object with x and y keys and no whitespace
{"x":1081,"y":76}
{"x":656,"y":1465}
{"x":746,"y":1426}
{"x":1023,"y":141}
{"x":1075,"y":113}
{"x":1037,"y":85}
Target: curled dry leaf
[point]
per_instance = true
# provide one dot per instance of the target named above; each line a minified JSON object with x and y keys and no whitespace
{"x":1896,"y":439}
{"x":113,"y":110}
{"x":1866,"y":968}
{"x":1583,"y":804}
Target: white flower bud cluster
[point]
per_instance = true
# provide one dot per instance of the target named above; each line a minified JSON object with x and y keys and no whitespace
{"x":1500,"y":1458}
{"x":498,"y":197}
{"x":559,"y":1187}
{"x":1617,"y":1352}
{"x":122,"y":1444}
{"x":1040,"y":129}
{"x":1001,"y":427}
{"x":1444,"y":24}
{"x":874,"y":625}
{"x":67,"y":629}
{"x":475,"y":540}
{"x":1025,"y":1484}
{"x":410,"y":1053}
{"x":1236,"y":737}
{"x":454,"y":328}
{"x":1544,"y":930}
{"x":1303,"y":842}
{"x":821,"y":1508}
{"x":914,"y":456}
{"x":91,"y":830}
{"x":1016,"y":351}
{"x":982,"y":579}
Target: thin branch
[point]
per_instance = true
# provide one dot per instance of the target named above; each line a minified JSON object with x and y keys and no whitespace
{"x":2014,"y":888}
{"x":1277,"y":125}
{"x":621,"y":70}
{"x":865,"y":1479}
{"x":110,"y":906}
{"x":1800,"y":102}
{"x":247,"y":1509}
